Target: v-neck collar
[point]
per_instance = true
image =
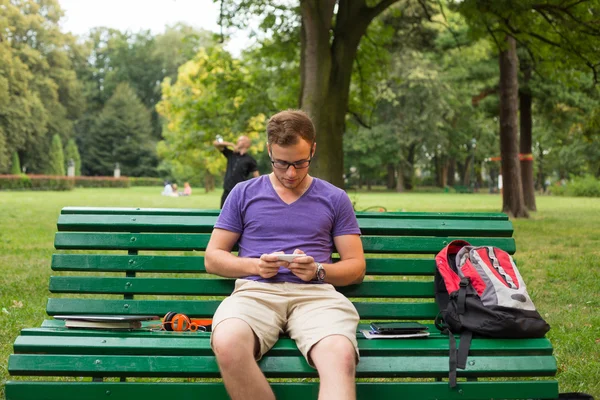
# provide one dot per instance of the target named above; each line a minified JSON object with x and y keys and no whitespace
{"x":308,"y":189}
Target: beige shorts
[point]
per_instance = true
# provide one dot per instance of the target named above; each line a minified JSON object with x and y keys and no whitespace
{"x":306,"y":312}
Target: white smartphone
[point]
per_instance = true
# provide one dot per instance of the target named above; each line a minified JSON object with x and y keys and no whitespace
{"x":289,"y":257}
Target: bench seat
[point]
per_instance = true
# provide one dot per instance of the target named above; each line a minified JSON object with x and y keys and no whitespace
{"x":162,"y":271}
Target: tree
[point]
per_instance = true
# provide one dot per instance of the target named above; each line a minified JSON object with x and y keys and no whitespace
{"x":39,"y":92}
{"x":122,"y":134}
{"x":512,"y":194}
{"x":561,"y":34}
{"x":330,"y":35}
{"x":15,"y":167}
{"x":56,"y":164}
{"x":72,"y":153}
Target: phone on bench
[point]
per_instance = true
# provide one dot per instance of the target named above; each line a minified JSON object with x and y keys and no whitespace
{"x":396,"y":328}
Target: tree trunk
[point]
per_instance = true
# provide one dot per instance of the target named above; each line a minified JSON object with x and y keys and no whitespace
{"x":541,"y":176}
{"x":512,"y":197}
{"x":451,"y":172}
{"x":399,"y":178}
{"x":410,"y":164}
{"x":391,"y":179}
{"x":467,"y":171}
{"x":526,"y":139}
{"x":326,"y":69}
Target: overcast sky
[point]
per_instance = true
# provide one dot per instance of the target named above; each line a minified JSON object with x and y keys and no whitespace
{"x":135,"y":15}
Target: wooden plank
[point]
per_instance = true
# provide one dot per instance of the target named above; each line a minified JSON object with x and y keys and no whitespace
{"x":130,"y":241}
{"x":127,"y":263}
{"x":207,"y":308}
{"x":198,"y":242}
{"x":205,"y":224}
{"x":140,"y":342}
{"x":428,"y":245}
{"x":205,"y":212}
{"x":138,"y":211}
{"x":17,"y":390}
{"x":272,"y":366}
{"x":219,"y":287}
{"x":195,"y":264}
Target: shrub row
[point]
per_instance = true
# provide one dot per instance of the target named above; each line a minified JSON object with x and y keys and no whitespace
{"x":101,"y":182}
{"x":51,"y":182}
{"x":35,"y":182}
{"x":146,"y":181}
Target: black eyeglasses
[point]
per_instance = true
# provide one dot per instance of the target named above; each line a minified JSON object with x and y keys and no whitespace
{"x":302,"y":164}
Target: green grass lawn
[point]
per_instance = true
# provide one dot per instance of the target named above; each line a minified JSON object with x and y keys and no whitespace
{"x":558,"y":250}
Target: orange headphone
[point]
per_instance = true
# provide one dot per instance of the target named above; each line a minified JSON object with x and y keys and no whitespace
{"x":177,"y":322}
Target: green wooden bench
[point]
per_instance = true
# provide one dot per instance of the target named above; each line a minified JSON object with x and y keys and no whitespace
{"x":144,"y":261}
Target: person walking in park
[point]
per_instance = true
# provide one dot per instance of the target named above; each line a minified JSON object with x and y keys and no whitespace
{"x":287,"y":211}
{"x":240,"y":164}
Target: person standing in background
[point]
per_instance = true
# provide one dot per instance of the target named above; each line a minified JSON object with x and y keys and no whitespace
{"x":240,"y":164}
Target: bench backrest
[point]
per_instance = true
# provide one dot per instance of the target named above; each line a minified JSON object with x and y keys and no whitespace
{"x":145,"y":261}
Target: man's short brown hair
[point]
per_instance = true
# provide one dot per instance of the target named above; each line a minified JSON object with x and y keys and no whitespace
{"x":286,"y":127}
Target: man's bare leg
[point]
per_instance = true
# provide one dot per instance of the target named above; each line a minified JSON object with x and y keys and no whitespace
{"x":234,"y":345}
{"x":335,"y":359}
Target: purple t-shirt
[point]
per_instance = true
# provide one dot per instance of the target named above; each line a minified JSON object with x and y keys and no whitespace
{"x":267,"y":224}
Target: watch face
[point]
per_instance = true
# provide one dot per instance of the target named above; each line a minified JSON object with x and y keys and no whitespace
{"x":321,"y":273}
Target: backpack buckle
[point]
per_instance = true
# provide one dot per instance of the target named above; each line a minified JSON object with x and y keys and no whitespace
{"x":464,"y":282}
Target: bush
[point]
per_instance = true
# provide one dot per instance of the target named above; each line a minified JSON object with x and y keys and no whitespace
{"x":144,"y":181}
{"x":587,"y":186}
{"x":101,"y":182}
{"x":35,"y":182}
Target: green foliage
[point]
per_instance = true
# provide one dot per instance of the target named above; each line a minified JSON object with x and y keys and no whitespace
{"x":122,"y":134}
{"x":15,"y":167}
{"x":586,"y":186}
{"x":56,"y":164}
{"x":72,"y":153}
{"x":215,"y":94}
{"x":40,"y":95}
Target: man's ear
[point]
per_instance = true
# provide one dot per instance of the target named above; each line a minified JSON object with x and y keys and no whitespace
{"x":314,"y":149}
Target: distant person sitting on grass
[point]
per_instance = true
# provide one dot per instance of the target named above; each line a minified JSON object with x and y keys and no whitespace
{"x":167,"y":190}
{"x":187,"y":190}
{"x":174,"y":192}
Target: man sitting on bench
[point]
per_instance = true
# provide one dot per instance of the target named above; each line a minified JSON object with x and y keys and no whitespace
{"x":287,"y":211}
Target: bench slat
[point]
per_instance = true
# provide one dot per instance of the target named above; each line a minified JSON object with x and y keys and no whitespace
{"x":205,"y":224}
{"x":177,"y":264}
{"x":16,"y":390}
{"x":359,"y":214}
{"x":206,"y":308}
{"x":218,"y":287}
{"x":198,"y":242}
{"x":78,"y":341}
{"x":273,"y":366}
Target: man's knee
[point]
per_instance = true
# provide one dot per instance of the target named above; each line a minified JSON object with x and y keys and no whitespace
{"x":335,"y":350}
{"x":232,"y":341}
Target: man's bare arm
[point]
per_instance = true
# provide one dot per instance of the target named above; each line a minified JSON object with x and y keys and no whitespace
{"x":352,"y":265}
{"x":221,"y":145}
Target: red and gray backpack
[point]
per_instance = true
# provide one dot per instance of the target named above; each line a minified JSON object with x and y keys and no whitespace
{"x":480,"y":291}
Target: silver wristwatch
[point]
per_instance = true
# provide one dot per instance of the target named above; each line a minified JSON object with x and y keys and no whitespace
{"x":320,"y":273}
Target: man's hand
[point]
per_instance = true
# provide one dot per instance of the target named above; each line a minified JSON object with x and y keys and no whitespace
{"x":304,"y":268}
{"x":268,"y":265}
